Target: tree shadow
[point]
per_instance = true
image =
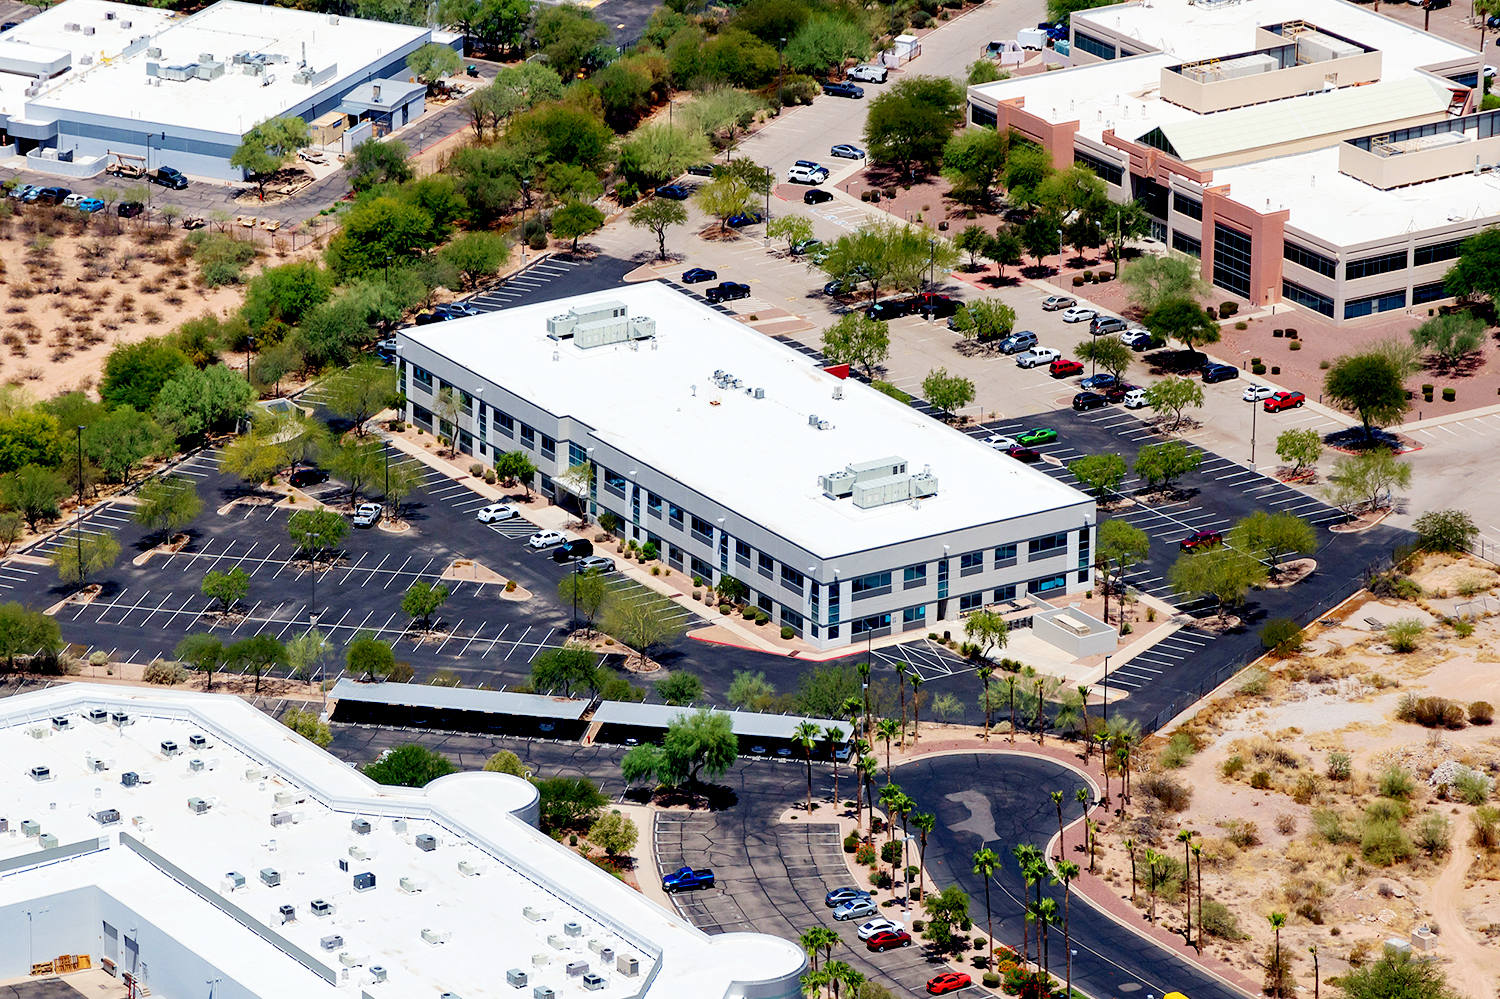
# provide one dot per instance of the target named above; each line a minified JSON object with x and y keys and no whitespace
{"x":1459,"y":367}
{"x":1000,"y":281}
{"x":1038,"y":272}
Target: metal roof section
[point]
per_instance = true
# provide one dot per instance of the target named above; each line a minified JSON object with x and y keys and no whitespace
{"x":749,"y":724}
{"x":498,"y":702}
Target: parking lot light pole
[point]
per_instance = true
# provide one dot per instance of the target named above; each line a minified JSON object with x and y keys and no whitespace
{"x":780,"y":75}
{"x":1254,"y":412}
{"x":78,"y":528}
{"x":1059,"y":258}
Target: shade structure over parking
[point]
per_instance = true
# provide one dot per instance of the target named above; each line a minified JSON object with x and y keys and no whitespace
{"x":759,"y":734}
{"x":420,"y":706}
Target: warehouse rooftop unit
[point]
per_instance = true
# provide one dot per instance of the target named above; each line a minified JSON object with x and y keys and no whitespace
{"x":738,"y":416}
{"x":184,"y":73}
{"x":221,"y":846}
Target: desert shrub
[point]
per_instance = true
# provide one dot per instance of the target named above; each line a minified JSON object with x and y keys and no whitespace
{"x":1406,"y":707}
{"x":1281,"y":980}
{"x":1396,"y":783}
{"x":1260,"y":780}
{"x":1305,"y":788}
{"x":1169,"y":792}
{"x":1471,"y":788}
{"x":165,"y":673}
{"x":1434,"y":712}
{"x":1481,"y":713}
{"x":1340,"y":766}
{"x":1254,"y":682}
{"x":1178,"y":751}
{"x":1218,"y":921}
{"x":1286,"y":824}
{"x":1387,"y":809}
{"x":1330,"y":825}
{"x":1433,"y":834}
{"x":890,"y":851}
{"x":1281,"y":635}
{"x":1242,"y":832}
{"x":1403,"y":634}
{"x":1233,"y":766}
{"x":1486,"y":819}
{"x":865,"y":855}
{"x":1383,"y":842}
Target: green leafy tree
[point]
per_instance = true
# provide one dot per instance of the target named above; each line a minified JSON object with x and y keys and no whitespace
{"x":514,"y":90}
{"x":1366,"y":478}
{"x":698,"y":743}
{"x":614,"y":834}
{"x":1224,"y":573}
{"x":1162,"y":464}
{"x":587,"y":591}
{"x":1451,"y":531}
{"x":1302,"y":448}
{"x":422,"y":600}
{"x":477,"y":255}
{"x":972,"y":240}
{"x":723,"y":197}
{"x":135,"y":372}
{"x":1153,"y":281}
{"x":410,"y":765}
{"x":268,"y":146}
{"x":1120,"y":224}
{"x":400,"y":481}
{"x":203,"y":652}
{"x":657,"y":152}
{"x":315,"y":531}
{"x":197,"y":402}
{"x":1173,"y":395}
{"x":949,"y":393}
{"x":792,"y":228}
{"x":859,"y":340}
{"x":27,"y":633}
{"x":1102,"y":473}
{"x":255,"y":655}
{"x":1450,"y":338}
{"x":750,"y":691}
{"x":1077,"y":196}
{"x":680,"y":689}
{"x":1477,"y":270}
{"x":359,"y":392}
{"x":985,"y":320}
{"x":358,"y":463}
{"x":641,"y":621}
{"x":377,"y":232}
{"x":1273,"y":535}
{"x":378,"y":161}
{"x":507,"y":762}
{"x":910,"y":123}
{"x":29,"y":437}
{"x":658,"y":215}
{"x":947,"y":912}
{"x":1004,"y":248}
{"x":432,"y":62}
{"x":305,"y":653}
{"x":826,"y":41}
{"x":565,"y":669}
{"x":33,"y":492}
{"x":275,"y":442}
{"x":1108,"y":352}
{"x":984,"y":71}
{"x":568,"y":36}
{"x":569,"y":802}
{"x":368,"y":656}
{"x":1183,"y":319}
{"x":643,"y":763}
{"x":1025,"y":168}
{"x":281,"y":296}
{"x":721,"y":113}
{"x":120,"y":441}
{"x":83,"y":553}
{"x":575,"y":220}
{"x":308,"y":725}
{"x":1121,"y":546}
{"x":226,"y":587}
{"x":515,"y":466}
{"x":1398,"y":975}
{"x":1370,"y":385}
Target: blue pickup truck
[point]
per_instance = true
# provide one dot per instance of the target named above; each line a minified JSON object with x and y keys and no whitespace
{"x":687,"y":879}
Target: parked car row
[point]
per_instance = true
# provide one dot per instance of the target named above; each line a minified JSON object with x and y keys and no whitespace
{"x":927,"y":304}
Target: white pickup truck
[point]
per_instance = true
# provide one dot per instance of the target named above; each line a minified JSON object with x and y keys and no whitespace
{"x":1037,"y":356}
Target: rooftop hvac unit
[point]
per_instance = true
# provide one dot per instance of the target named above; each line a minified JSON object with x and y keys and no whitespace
{"x":88,"y":29}
{"x":351,"y":960}
{"x":205,"y":57}
{"x":536,"y":915}
{"x":577,"y":969}
{"x":109,"y":15}
{"x":924,"y":484}
{"x":153,"y":52}
{"x":377,"y":973}
{"x":270,"y":877}
{"x":86,"y":60}
{"x":197,"y":806}
{"x":62,"y":723}
{"x":195,"y":765}
{"x":209,"y":70}
{"x":515,"y":978}
{"x":30,"y":828}
{"x":836,"y":484}
{"x":169,"y":748}
{"x":253,"y":774}
{"x":435,"y":937}
{"x":319,"y":907}
{"x":4,"y":825}
{"x":333,"y":942}
{"x":290,"y":797}
{"x":96,"y":764}
{"x":360,"y":853}
{"x":469,"y":869}
{"x":596,"y":945}
{"x":46,"y":841}
{"x":198,"y":741}
{"x":70,"y":26}
{"x":398,"y":826}
{"x":543,"y":992}
{"x":344,"y":864}
{"x":43,"y":732}
{"x":593,"y":982}
{"x":573,"y":929}
{"x":557,"y":942}
{"x":412,"y":885}
{"x":364,"y":882}
{"x":426,"y":842}
{"x":125,"y":25}
{"x":281,"y":819}
{"x":361,"y":826}
{"x":129,"y":778}
{"x":606,"y":956}
{"x":97,"y":715}
{"x":233,"y":880}
{"x":107,"y":816}
{"x":288,"y":913}
{"x":40,"y":773}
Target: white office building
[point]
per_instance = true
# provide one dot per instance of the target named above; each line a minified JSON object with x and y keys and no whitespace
{"x":199,"y":847}
{"x":848,"y":514}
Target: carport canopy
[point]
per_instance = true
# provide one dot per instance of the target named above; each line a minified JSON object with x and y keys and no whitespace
{"x":495,"y":702}
{"x":748,"y":724}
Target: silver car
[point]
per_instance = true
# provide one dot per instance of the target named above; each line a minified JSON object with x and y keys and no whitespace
{"x":857,"y":909}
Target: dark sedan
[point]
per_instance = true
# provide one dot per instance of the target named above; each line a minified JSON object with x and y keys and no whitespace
{"x":842,"y":90}
{"x":676,"y":192}
{"x":931,"y":305}
{"x":887,"y":310}
{"x":816,"y":196}
{"x":696,"y":274}
{"x":727,"y":291}
{"x":743,"y":219}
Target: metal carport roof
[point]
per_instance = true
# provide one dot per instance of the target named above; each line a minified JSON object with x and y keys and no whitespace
{"x":494,"y":702}
{"x":746,"y":723}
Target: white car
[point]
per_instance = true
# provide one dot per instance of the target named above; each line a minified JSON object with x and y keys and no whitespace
{"x":874,"y":926}
{"x":1078,"y":314}
{"x":367,"y":515}
{"x":869,"y":74}
{"x":1255,"y":393}
{"x":1036,"y":356}
{"x":73,"y":200}
{"x":544,"y":539}
{"x":806,"y":175}
{"x":1135,"y":398}
{"x":999,"y":441}
{"x":496,"y":511}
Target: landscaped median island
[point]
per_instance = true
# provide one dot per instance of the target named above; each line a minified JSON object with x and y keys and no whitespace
{"x":1337,"y":799}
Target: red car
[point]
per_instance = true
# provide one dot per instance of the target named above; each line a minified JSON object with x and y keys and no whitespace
{"x":1200,"y":539}
{"x":1064,"y":368}
{"x":1020,"y":453}
{"x":1116,"y":393}
{"x":1283,"y":400}
{"x":886,"y":939}
{"x":948,"y":981}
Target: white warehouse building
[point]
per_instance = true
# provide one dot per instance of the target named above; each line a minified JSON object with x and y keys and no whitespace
{"x":199,"y":847}
{"x":847,"y":514}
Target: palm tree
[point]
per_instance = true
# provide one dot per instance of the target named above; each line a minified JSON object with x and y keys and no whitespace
{"x":839,"y":973}
{"x":890,"y":795}
{"x":835,"y":736}
{"x":901,"y":682}
{"x":985,"y":863}
{"x":814,"y":982}
{"x":1129,"y":846}
{"x":849,"y":977}
{"x":925,"y":823}
{"x":1011,"y":682}
{"x":862,"y":777}
{"x":916,"y":707}
{"x":887,"y":729}
{"x":1042,"y":687}
{"x":1198,"y":856}
{"x":984,"y":671}
{"x":904,"y":807}
{"x":806,"y":736}
{"x":1122,"y":757}
{"x":1093,"y":831}
{"x":1313,"y":950}
{"x":1083,"y":706}
{"x":812,"y":941}
{"x":869,"y":768}
{"x":1023,"y":853}
{"x":1185,"y":837}
{"x":1154,"y":862}
{"x":853,"y":711}
{"x":1057,"y":799}
{"x":1066,"y":872}
{"x":1278,"y":920}
{"x":1046,"y":915}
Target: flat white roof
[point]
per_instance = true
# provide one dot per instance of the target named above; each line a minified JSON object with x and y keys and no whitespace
{"x":251,"y":758}
{"x":758,"y":457}
{"x":232,"y":103}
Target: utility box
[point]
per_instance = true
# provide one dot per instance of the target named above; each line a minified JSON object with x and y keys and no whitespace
{"x":333,"y":942}
{"x":198,"y":741}
{"x":515,"y":978}
{"x":62,"y":723}
{"x":233,"y":880}
{"x":577,"y":969}
{"x":573,"y":929}
{"x":361,"y":826}
{"x":543,"y":992}
{"x":435,"y":936}
{"x":470,"y":869}
{"x":129,"y":778}
{"x":40,"y":774}
{"x":628,"y":965}
{"x":412,"y":885}
{"x":319,"y":907}
{"x":30,"y":827}
{"x":169,"y":748}
{"x":288,"y":913}
{"x":290,"y":798}
{"x":270,"y":877}
{"x":593,"y":982}
{"x":364,"y":882}
{"x":536,"y":915}
{"x":426,"y":842}
{"x":46,"y":841}
{"x":197,"y":806}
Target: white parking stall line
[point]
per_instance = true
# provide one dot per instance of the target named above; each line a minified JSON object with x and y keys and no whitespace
{"x":353,"y":567}
{"x":398,"y":571}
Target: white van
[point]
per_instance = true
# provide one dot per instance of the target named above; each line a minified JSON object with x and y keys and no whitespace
{"x":1135,"y":398}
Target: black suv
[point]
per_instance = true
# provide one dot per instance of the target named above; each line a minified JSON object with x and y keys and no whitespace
{"x":888,"y":310}
{"x":816,"y":196}
{"x":727,"y":291}
{"x":842,"y":90}
{"x":130,"y":209}
{"x":168,"y":177}
{"x":677,"y":192}
{"x":570,"y":550}
{"x":308,"y":477}
{"x":1219,"y":372}
{"x":52,"y":195}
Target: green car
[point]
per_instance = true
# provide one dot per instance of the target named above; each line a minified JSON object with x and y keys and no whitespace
{"x":1037,"y":435}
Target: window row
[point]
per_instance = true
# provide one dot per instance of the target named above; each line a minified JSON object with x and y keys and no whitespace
{"x":1312,"y":260}
{"x":1382,"y":263}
